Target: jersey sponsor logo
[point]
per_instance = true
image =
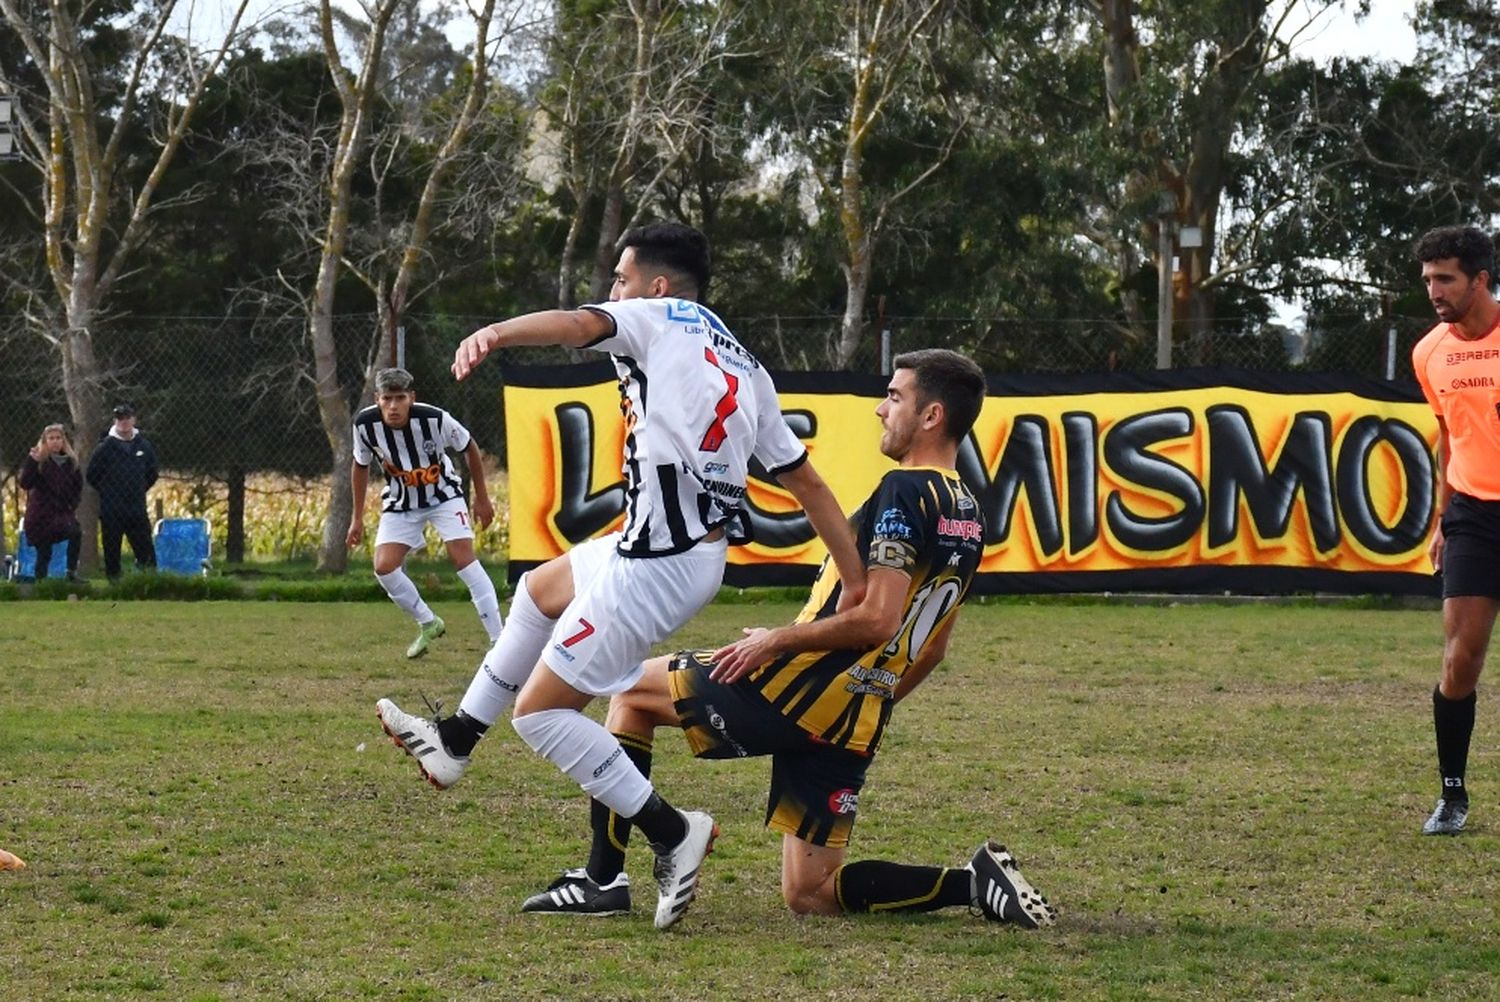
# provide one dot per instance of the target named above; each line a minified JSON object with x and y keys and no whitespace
{"x":871,"y":681}
{"x":1472,"y":355}
{"x":1473,"y":383}
{"x":726,"y":489}
{"x":963,"y":528}
{"x":844,"y":801}
{"x":892,"y":524}
{"x":426,"y":475}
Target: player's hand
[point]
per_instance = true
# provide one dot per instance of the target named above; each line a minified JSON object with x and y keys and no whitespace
{"x":471,"y":351}
{"x":483,"y":512}
{"x":1435,"y":548}
{"x":734,"y":661}
{"x":355,"y":534}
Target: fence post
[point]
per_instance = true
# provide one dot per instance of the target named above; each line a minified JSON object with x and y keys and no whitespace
{"x":400,"y":346}
{"x":1165,"y":221}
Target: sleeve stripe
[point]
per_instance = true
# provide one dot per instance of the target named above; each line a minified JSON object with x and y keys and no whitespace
{"x":777,"y":471}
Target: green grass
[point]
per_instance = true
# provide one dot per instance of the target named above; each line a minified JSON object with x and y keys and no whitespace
{"x":1221,"y":801}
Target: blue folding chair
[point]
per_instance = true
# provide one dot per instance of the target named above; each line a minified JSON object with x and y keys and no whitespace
{"x":183,"y":545}
{"x":25,"y":562}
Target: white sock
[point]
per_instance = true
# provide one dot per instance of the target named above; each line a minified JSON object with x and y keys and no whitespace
{"x":508,"y":664}
{"x":401,"y":590}
{"x":482,"y":592}
{"x":588,"y":753}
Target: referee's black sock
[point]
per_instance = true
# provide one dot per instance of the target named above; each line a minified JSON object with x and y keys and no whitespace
{"x":612,"y":832}
{"x":1453,"y":720}
{"x":873,"y":885}
{"x":460,"y":733}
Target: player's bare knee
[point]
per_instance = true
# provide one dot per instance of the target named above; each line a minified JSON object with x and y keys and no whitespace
{"x":810,"y":899}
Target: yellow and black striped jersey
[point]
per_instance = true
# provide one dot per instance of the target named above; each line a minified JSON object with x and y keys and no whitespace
{"x":925,"y":523}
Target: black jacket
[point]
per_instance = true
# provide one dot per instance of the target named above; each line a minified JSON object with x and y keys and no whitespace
{"x":122,"y":472}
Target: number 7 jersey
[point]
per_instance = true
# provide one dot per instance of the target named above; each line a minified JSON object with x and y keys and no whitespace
{"x":925,"y":523}
{"x":697,"y":405}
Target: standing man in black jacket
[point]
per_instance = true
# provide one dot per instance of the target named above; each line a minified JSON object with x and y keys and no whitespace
{"x":122,"y":469}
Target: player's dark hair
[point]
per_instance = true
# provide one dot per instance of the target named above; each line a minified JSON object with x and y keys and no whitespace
{"x":394,"y":381}
{"x":1474,"y":249}
{"x":952,"y":380}
{"x":676,"y":248}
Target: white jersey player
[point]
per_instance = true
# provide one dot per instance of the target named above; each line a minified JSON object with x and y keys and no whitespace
{"x":411,"y":442}
{"x":697,"y":406}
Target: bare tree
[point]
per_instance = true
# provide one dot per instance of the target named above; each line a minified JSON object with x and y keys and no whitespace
{"x":615,"y":129}
{"x":91,"y":221}
{"x":848,"y":67}
{"x":358,"y":93}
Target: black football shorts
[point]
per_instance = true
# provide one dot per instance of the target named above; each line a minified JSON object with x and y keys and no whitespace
{"x":814,"y":785}
{"x":1471,"y":547}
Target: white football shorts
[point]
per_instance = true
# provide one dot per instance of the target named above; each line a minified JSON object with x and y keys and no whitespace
{"x":624,"y":606}
{"x":450,"y":519}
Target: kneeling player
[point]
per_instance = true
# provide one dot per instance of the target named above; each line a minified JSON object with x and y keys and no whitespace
{"x":412,"y":440}
{"x":816,"y":695}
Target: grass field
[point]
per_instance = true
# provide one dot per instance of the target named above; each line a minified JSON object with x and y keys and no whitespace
{"x":1222,"y":802}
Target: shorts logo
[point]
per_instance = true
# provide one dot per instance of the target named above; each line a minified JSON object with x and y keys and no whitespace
{"x":717,"y":722}
{"x":843,"y":801}
{"x":583,"y":634}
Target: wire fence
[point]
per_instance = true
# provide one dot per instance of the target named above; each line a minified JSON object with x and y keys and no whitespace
{"x":229,"y":403}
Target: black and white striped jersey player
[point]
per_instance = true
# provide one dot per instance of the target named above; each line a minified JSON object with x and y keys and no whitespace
{"x":697,"y":406}
{"x":411,"y":441}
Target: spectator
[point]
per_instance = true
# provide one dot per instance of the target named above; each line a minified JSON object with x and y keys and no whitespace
{"x":122,"y":469}
{"x":53,"y":484}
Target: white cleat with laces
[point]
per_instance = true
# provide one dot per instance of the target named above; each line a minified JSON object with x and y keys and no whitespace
{"x":419,"y":738}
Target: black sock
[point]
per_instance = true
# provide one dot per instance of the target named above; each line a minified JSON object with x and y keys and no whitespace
{"x":660,"y":822}
{"x":460,"y":733}
{"x":1453,"y":719}
{"x":612,"y":832}
{"x":872,"y":885}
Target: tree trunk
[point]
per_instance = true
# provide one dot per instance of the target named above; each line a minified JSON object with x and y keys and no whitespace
{"x":604,"y":250}
{"x":82,"y":385}
{"x":234,"y":531}
{"x":333,"y":412}
{"x":566,"y":270}
{"x":852,"y":326}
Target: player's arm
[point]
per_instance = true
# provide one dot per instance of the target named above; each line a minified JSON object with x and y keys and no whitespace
{"x":483,"y":509}
{"x":569,"y":328}
{"x":930,"y":657}
{"x":822,"y":507}
{"x":1444,"y":495}
{"x":359,"y":481}
{"x":859,"y":627}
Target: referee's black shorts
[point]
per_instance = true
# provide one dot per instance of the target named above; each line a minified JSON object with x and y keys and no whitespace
{"x":1471,"y":547}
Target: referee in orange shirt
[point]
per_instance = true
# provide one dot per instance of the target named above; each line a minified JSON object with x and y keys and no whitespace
{"x":1458,"y":365}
